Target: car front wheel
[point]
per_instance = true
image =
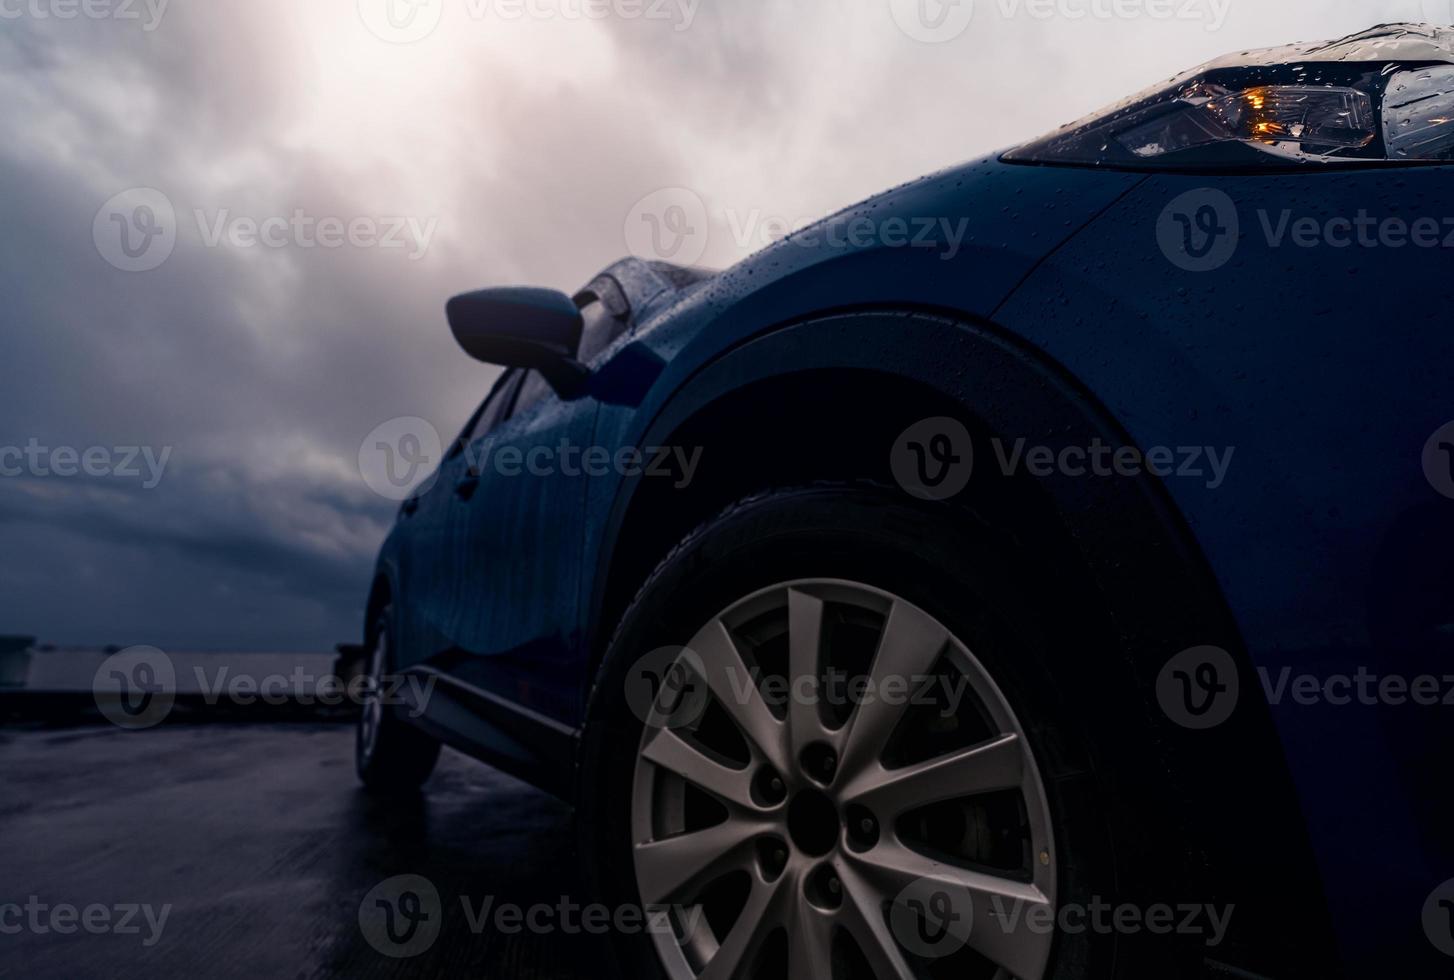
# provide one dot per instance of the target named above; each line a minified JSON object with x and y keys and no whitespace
{"x":828,"y":742}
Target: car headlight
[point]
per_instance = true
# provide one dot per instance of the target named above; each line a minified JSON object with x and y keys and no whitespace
{"x":1386,"y":95}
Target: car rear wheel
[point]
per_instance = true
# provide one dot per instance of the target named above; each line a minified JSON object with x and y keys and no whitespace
{"x":850,"y":758}
{"x":391,"y":755}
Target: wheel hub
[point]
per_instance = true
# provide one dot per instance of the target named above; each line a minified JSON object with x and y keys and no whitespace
{"x":813,"y":823}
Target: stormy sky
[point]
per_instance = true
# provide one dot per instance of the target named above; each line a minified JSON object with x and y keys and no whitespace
{"x":509,"y":142}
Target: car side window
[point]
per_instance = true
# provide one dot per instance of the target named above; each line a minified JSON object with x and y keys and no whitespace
{"x":496,"y":409}
{"x":534,"y":391}
{"x":602,"y":329}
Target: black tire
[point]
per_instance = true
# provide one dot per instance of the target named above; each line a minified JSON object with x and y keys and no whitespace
{"x":1091,"y":735}
{"x":396,"y":757}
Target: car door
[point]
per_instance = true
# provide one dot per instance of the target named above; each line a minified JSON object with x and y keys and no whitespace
{"x":520,"y":518}
{"x":430,"y":554}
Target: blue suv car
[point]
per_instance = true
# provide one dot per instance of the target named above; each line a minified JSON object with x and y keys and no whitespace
{"x":1040,"y":570}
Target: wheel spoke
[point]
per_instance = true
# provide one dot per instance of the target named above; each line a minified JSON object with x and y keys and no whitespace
{"x":983,"y":768}
{"x":1003,"y":912}
{"x":805,"y":636}
{"x":761,"y":913}
{"x":672,"y":869}
{"x":863,"y":916}
{"x":736,"y":691}
{"x":810,"y":943}
{"x":670,"y":751}
{"x":908,"y":650}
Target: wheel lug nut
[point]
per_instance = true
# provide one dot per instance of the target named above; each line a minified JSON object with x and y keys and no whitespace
{"x":820,"y":762}
{"x":863,"y":829}
{"x":772,"y":856}
{"x":769,"y":788}
{"x":824,"y":889}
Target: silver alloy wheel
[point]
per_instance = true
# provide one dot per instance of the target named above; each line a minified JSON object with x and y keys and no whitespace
{"x":372,"y":715}
{"x":796,"y":839}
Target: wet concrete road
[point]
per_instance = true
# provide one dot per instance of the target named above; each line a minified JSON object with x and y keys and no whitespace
{"x":259,"y":839}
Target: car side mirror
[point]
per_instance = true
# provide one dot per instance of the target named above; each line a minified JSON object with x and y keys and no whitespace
{"x":522,"y":327}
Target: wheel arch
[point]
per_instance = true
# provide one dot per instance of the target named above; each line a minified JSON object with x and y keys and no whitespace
{"x":381,"y":594}
{"x":856,"y":380}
